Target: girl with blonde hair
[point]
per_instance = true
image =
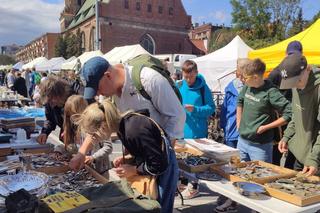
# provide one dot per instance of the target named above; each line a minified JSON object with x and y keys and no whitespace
{"x":72,"y":138}
{"x":142,"y":138}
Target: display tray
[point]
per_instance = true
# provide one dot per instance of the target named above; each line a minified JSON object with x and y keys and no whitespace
{"x":191,"y":151}
{"x":47,"y":163}
{"x":253,"y":171}
{"x":300,"y":193}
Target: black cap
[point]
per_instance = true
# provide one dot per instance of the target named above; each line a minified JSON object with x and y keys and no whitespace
{"x":294,"y":47}
{"x":291,"y":67}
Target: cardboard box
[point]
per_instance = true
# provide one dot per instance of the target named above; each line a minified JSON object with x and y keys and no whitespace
{"x":283,"y":172}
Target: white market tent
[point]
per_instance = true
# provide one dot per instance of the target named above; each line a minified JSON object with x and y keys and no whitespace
{"x":124,"y":53}
{"x":54,"y":64}
{"x":34,"y":63}
{"x":5,"y":67}
{"x":218,"y":67}
{"x":18,"y":66}
{"x":72,"y":65}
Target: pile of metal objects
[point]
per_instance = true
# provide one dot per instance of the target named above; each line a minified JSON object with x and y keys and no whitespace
{"x":72,"y":181}
{"x":299,"y":186}
{"x":198,"y":160}
{"x":251,"y":171}
{"x":48,"y":160}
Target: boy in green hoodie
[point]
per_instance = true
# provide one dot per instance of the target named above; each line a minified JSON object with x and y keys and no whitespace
{"x":302,"y":135}
{"x":257,"y":102}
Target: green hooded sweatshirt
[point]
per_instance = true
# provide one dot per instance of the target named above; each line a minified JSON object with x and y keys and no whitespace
{"x":303,"y":132}
{"x":259,"y":106}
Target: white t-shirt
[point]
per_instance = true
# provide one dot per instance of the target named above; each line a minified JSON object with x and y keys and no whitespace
{"x":172,"y":115}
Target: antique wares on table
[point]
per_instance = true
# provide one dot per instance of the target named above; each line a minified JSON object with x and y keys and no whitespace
{"x":298,"y":190}
{"x":248,"y":189}
{"x":254,"y":171}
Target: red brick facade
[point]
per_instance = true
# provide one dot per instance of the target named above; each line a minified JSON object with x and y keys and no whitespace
{"x":42,"y":46}
{"x":162,"y":24}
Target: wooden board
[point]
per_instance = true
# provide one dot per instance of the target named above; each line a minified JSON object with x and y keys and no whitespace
{"x":284,"y":172}
{"x":294,"y":199}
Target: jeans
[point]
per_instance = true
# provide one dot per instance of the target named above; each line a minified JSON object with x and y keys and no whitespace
{"x":250,"y":151}
{"x":232,"y":143}
{"x":167,"y":182}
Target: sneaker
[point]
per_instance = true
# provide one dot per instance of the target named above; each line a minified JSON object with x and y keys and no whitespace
{"x":228,"y":206}
{"x":221,"y":200}
{"x":190,"y":192}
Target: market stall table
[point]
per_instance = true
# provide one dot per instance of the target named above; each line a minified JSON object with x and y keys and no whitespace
{"x":265,"y":204}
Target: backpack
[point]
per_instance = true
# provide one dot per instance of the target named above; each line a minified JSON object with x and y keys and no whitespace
{"x":146,"y":60}
{"x":37,"y":78}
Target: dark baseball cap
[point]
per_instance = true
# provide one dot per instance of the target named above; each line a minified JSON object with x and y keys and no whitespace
{"x":291,"y":67}
{"x":294,"y":47}
{"x":91,"y":73}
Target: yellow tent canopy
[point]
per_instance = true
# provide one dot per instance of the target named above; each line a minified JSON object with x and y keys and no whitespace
{"x":310,"y":39}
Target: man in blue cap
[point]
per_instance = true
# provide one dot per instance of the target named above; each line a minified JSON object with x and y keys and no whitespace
{"x":101,"y":78}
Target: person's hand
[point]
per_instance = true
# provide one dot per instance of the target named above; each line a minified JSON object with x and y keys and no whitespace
{"x":261,"y":129}
{"x":118,"y":161}
{"x":309,"y":170}
{"x":42,"y":138}
{"x":283,"y":147}
{"x":126,"y":170}
{"x":77,"y":162}
{"x":89,"y":160}
{"x":189,"y":107}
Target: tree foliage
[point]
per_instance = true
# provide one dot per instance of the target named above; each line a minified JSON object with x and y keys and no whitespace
{"x":69,"y":45}
{"x":6,"y":60}
{"x":220,"y":38}
{"x":265,"y":22}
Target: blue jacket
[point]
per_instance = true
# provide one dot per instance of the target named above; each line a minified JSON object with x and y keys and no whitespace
{"x":196,"y":125}
{"x":228,"y":120}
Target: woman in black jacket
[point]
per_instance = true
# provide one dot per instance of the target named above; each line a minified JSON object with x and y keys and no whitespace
{"x":143,"y":139}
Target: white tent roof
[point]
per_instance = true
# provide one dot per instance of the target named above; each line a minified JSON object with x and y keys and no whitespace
{"x":54,"y":64}
{"x":218,"y":67}
{"x":124,"y":53}
{"x":18,"y":66}
{"x":34,"y":63}
{"x":71,"y":65}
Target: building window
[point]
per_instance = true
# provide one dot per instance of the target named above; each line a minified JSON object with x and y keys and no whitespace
{"x":138,"y":6}
{"x":92,"y":43}
{"x":171,"y":11}
{"x":160,"y":9}
{"x":83,"y":43}
{"x":126,"y":4}
{"x":147,"y":42}
{"x":149,"y":8}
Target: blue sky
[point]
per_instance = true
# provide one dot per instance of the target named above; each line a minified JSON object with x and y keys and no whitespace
{"x":219,"y":11}
{"x":21,"y":23}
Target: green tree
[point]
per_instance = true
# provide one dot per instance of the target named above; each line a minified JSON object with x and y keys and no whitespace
{"x":61,"y":47}
{"x":251,"y":15}
{"x":283,"y":14}
{"x":220,"y":38}
{"x":6,"y":60}
{"x":297,"y":25}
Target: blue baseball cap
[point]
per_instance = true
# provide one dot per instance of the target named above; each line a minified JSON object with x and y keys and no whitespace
{"x":91,"y":73}
{"x":294,"y":47}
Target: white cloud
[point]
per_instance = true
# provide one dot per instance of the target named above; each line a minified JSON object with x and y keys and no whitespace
{"x":220,"y":16}
{"x":22,"y":21}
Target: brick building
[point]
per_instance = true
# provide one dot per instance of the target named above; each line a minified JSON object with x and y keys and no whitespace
{"x":201,"y":35}
{"x":42,"y":46}
{"x":160,"y":26}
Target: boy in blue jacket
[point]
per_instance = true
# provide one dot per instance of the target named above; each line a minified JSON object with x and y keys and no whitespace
{"x":199,"y":106}
{"x":197,"y":101}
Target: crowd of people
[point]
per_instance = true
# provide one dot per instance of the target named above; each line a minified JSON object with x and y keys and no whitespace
{"x":262,"y":117}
